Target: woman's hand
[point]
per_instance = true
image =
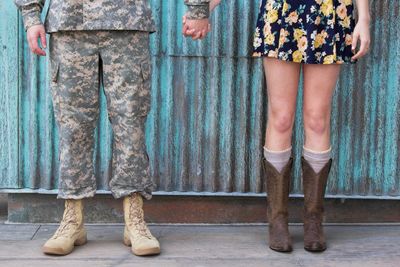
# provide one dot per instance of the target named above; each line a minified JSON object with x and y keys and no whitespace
{"x":361,"y":36}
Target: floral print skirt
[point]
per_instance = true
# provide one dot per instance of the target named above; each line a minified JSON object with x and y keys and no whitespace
{"x":306,"y":31}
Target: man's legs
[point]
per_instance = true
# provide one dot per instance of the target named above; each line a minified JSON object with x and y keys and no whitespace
{"x":126,"y":78}
{"x":75,"y":86}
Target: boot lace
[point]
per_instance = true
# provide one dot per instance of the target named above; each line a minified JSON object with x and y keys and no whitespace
{"x":68,"y":222}
{"x":136,"y":218}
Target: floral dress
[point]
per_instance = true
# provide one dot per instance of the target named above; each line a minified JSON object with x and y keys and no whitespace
{"x":305,"y":31}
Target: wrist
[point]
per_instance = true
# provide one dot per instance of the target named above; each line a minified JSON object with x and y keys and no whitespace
{"x":31,"y":19}
{"x":366,"y":18}
{"x":195,"y":12}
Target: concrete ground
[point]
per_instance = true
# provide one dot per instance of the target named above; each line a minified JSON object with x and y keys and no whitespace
{"x":206,"y":245}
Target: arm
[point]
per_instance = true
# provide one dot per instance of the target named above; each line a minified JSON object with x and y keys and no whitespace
{"x":31,"y":10}
{"x":361,"y":32}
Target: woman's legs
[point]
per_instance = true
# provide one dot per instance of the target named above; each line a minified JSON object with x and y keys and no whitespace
{"x":282,"y":83}
{"x":319,"y":84}
{"x":282,"y":86}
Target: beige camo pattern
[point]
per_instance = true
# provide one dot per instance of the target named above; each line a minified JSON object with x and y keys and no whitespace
{"x":78,"y":15}
{"x":121,"y":60}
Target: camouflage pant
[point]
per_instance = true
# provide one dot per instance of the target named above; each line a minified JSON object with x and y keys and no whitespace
{"x":79,"y":62}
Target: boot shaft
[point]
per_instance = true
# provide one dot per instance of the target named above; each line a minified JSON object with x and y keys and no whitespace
{"x":73,"y":211}
{"x":278,"y":188}
{"x":314,"y":186}
{"x":133,"y":208}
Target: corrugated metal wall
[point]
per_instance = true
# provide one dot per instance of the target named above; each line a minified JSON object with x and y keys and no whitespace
{"x":205,"y":130}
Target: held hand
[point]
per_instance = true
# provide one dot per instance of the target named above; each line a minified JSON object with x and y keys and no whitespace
{"x":361,"y":35}
{"x":33,"y":34}
{"x":197,"y":29}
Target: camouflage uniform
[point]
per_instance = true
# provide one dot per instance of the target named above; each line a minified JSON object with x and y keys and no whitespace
{"x":93,"y":41}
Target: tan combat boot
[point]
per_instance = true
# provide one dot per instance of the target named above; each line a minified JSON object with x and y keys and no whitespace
{"x":71,"y":231}
{"x":314,"y":185}
{"x":136,"y":233}
{"x":278,"y":186}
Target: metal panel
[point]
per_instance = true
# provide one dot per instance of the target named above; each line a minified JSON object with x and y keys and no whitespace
{"x":9,"y":84}
{"x":205,"y":130}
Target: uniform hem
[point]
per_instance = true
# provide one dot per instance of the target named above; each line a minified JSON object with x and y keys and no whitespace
{"x":75,"y":196}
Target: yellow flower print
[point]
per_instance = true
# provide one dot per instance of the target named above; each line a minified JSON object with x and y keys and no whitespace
{"x":329,"y":59}
{"x":327,"y":8}
{"x":272,"y":16}
{"x":302,"y":44}
{"x":345,"y":22}
{"x":293,"y":17}
{"x":298,"y":33}
{"x":273,"y":53}
{"x":297,"y":56}
{"x":285,"y":7}
{"x":269,"y":39}
{"x":349,"y":40}
{"x":346,"y":2}
{"x":341,"y":11}
{"x":320,"y":39}
{"x":282,"y":37}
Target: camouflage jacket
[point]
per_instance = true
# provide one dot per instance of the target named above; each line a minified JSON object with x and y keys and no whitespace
{"x":76,"y":15}
{"x":72,"y":15}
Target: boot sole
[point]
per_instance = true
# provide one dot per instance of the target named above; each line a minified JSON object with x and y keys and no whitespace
{"x":60,"y":252}
{"x":315,"y":250}
{"x":281,"y":250}
{"x":142,"y":252}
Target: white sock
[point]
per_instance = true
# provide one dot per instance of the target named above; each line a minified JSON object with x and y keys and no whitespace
{"x":278,"y":159}
{"x":317,"y":159}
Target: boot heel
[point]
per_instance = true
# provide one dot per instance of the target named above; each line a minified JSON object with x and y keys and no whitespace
{"x":127,"y":239}
{"x":82,"y":239}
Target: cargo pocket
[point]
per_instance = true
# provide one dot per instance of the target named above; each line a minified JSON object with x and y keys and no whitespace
{"x":54,"y":72}
{"x":54,"y":76}
{"x":145,"y":93}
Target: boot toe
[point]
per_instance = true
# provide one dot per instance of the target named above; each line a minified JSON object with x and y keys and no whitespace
{"x":57,"y":247}
{"x":146,"y":247}
{"x":281,"y":247}
{"x":315,"y":247}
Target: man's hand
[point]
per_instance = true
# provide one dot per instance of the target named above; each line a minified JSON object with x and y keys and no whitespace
{"x":197,"y":29}
{"x":33,"y":34}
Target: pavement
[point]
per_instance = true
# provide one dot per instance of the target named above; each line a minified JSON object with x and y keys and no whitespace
{"x":205,"y":245}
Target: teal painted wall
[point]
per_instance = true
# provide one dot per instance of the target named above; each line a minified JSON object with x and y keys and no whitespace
{"x":205,"y":130}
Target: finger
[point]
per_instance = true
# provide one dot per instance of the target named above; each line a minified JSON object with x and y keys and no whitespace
{"x":355,"y":41}
{"x":43,"y":40}
{"x":204,"y":34}
{"x":185,"y":28}
{"x":36,"y":49}
{"x":196,"y":36}
{"x":363,"y":50}
{"x":191,"y":32}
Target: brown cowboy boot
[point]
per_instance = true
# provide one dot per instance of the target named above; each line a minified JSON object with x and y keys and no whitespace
{"x":277,"y":185}
{"x":136,"y":233}
{"x":71,"y":231}
{"x":314,"y":185}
